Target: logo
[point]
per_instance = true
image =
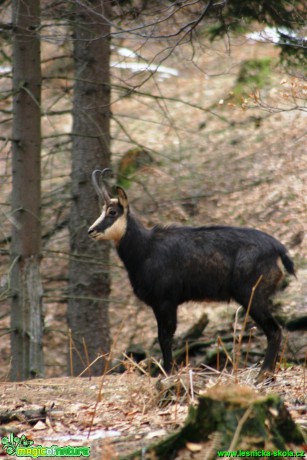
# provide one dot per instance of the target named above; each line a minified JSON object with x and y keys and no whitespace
{"x":10,"y":444}
{"x":23,"y":447}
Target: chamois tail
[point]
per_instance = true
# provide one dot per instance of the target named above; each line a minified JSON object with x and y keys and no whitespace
{"x":288,"y":263}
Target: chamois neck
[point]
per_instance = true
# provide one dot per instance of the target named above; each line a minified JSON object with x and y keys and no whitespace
{"x":134,"y":243}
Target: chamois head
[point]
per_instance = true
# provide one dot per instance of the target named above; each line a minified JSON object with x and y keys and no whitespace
{"x":112,"y":223}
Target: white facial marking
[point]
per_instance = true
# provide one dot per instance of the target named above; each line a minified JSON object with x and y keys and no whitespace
{"x":100,"y":219}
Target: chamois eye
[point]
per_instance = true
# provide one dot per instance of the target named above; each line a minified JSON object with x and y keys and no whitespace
{"x":112,"y":212}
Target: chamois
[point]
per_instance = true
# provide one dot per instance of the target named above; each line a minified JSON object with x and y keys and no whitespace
{"x":171,"y":265}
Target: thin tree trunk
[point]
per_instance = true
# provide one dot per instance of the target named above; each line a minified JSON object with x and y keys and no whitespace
{"x":89,"y":283}
{"x":26,"y":305}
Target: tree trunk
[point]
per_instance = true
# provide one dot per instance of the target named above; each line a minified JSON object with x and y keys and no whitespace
{"x":89,"y":282}
{"x":26,"y":305}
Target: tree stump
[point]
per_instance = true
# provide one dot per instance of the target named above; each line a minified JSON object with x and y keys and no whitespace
{"x":231,"y":418}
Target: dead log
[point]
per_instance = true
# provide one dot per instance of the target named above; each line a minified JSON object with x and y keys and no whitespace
{"x":230,"y":418}
{"x":297,"y":324}
{"x":24,"y":415}
{"x":193,"y":333}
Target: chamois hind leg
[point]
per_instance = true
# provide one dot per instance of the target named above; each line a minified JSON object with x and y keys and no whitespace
{"x":262,"y":316}
{"x":166,"y":315}
{"x":271,"y":273}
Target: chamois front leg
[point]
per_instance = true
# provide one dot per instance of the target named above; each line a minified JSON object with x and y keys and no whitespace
{"x":166,"y":316}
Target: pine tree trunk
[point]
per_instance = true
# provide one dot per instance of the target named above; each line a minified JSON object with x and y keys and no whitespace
{"x":89,"y":282}
{"x":26,"y":285}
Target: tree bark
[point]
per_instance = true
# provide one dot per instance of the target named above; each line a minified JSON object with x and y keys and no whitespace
{"x":26,"y":304}
{"x":89,"y":282}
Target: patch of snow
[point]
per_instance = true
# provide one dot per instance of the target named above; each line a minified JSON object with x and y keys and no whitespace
{"x":126,"y":52}
{"x":5,"y":69}
{"x":271,"y":35}
{"x":144,"y":67}
{"x":101,"y":434}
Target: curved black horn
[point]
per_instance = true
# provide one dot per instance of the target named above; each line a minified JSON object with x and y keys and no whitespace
{"x":101,"y":190}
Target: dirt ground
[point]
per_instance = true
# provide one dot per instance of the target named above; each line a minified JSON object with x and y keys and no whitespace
{"x":236,"y":163}
{"x":115,"y":415}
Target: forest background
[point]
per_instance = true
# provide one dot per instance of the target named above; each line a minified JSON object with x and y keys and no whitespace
{"x":199,"y":107}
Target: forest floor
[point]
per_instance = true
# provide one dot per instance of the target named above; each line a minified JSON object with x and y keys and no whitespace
{"x":115,"y":415}
{"x":236,"y":166}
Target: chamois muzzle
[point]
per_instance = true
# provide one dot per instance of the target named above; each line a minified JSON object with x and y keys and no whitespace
{"x":101,"y":189}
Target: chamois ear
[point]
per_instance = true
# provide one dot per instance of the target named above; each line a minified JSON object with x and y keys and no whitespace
{"x":122,"y":197}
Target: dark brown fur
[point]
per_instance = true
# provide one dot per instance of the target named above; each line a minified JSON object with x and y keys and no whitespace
{"x":171,"y":265}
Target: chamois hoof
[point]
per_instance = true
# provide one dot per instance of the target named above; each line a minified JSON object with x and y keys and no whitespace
{"x":152,"y":367}
{"x":265,"y":377}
